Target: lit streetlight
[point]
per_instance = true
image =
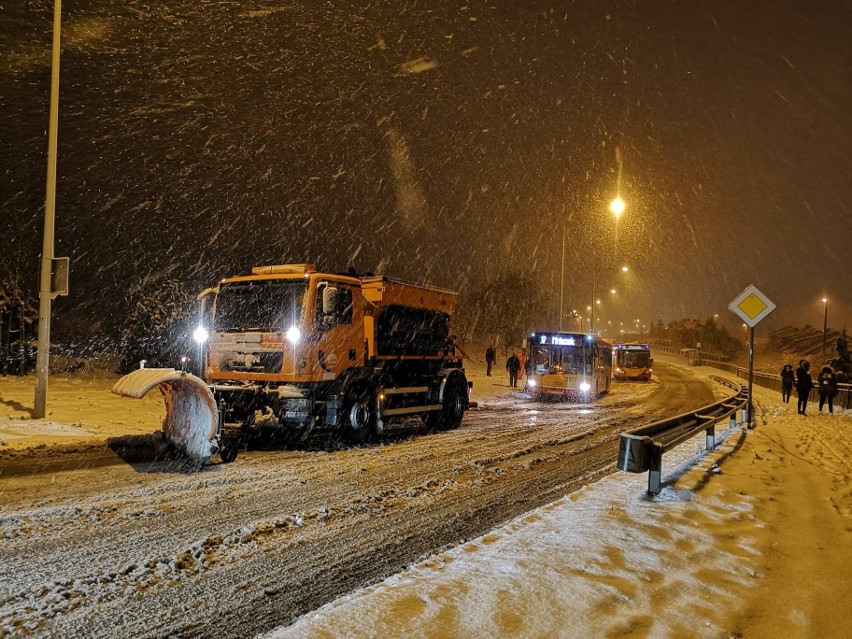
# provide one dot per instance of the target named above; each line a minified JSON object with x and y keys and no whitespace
{"x":617,"y":206}
{"x":824,"y":324}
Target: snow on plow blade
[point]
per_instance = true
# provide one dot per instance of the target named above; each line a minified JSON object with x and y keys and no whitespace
{"x":191,"y":421}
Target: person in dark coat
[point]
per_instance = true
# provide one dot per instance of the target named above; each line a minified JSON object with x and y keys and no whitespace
{"x":490,"y":359}
{"x":513,"y":365}
{"x":827,"y":385}
{"x":788,"y":378}
{"x":804,"y":384}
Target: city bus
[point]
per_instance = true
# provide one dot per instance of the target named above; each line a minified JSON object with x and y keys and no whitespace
{"x":632,"y":361}
{"x":572,"y":365}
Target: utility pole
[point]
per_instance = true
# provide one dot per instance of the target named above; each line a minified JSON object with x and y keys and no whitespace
{"x":562,"y":280}
{"x":592,"y":313}
{"x":46,"y":293}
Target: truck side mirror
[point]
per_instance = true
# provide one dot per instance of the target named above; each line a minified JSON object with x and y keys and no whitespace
{"x":329,"y":300}
{"x":330,"y":303}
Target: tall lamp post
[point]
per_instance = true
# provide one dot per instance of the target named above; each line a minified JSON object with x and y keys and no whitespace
{"x":616,"y":207}
{"x":824,"y":324}
{"x":562,"y":279}
{"x":46,"y":288}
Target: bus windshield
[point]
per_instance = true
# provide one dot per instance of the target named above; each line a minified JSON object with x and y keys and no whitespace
{"x":561,"y":359}
{"x":634,"y":359}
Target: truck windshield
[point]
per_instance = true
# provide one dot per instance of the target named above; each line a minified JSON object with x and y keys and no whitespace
{"x":265,"y":306}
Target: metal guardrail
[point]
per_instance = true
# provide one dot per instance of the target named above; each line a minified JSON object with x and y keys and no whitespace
{"x":641,"y":450}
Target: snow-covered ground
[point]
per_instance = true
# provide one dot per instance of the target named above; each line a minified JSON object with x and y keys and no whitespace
{"x":753,"y":539}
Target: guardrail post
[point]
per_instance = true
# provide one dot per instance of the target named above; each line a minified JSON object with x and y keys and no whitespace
{"x":655,"y":468}
{"x":733,"y":422}
{"x":744,"y":414}
{"x":711,"y":437}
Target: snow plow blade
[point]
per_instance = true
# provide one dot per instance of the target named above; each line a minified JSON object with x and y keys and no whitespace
{"x":191,"y":422}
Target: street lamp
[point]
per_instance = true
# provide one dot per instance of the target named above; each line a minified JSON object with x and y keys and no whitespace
{"x":824,"y":324}
{"x":617,"y":206}
{"x":46,"y":288}
{"x":562,"y":277}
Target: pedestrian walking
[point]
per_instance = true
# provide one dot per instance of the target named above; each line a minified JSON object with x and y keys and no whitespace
{"x":827,"y":385}
{"x":490,"y":359}
{"x":513,"y":365}
{"x":522,"y":358}
{"x":788,"y":378}
{"x":804,"y":384}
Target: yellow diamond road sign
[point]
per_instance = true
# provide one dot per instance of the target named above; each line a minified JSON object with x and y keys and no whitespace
{"x":752,"y":306}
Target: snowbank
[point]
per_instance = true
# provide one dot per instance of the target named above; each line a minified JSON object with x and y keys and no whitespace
{"x":80,"y":409}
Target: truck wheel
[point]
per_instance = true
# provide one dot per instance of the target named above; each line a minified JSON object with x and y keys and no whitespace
{"x":455,"y":400}
{"x":360,"y":414}
{"x":452,"y":407}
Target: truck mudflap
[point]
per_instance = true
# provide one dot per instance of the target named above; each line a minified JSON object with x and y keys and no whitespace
{"x":191,"y":421}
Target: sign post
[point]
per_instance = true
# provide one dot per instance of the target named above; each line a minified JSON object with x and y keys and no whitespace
{"x":751,"y":306}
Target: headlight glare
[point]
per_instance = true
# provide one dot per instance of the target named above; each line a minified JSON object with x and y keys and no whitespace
{"x":200,"y":334}
{"x":294,"y":334}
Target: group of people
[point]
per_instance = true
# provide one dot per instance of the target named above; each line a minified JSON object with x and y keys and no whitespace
{"x":801,"y":378}
{"x":515,"y":364}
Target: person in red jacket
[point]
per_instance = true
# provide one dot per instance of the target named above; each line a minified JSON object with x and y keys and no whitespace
{"x":522,"y":358}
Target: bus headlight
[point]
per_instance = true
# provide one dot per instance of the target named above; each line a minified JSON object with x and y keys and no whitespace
{"x":294,"y":334}
{"x":200,"y":334}
{"x":532,"y":383}
{"x":585,"y":387}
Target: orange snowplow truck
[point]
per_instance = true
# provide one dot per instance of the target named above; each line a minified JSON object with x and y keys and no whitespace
{"x":291,"y":350}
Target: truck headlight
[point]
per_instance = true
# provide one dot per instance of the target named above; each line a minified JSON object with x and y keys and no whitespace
{"x":294,"y":334}
{"x":200,"y":334}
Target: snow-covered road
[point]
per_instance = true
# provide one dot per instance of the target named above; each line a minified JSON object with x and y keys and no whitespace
{"x":97,"y":548}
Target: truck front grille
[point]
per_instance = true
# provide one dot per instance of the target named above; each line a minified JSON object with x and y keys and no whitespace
{"x":264,"y":362}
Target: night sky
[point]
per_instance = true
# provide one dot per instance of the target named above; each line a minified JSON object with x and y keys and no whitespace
{"x":438,"y":141}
